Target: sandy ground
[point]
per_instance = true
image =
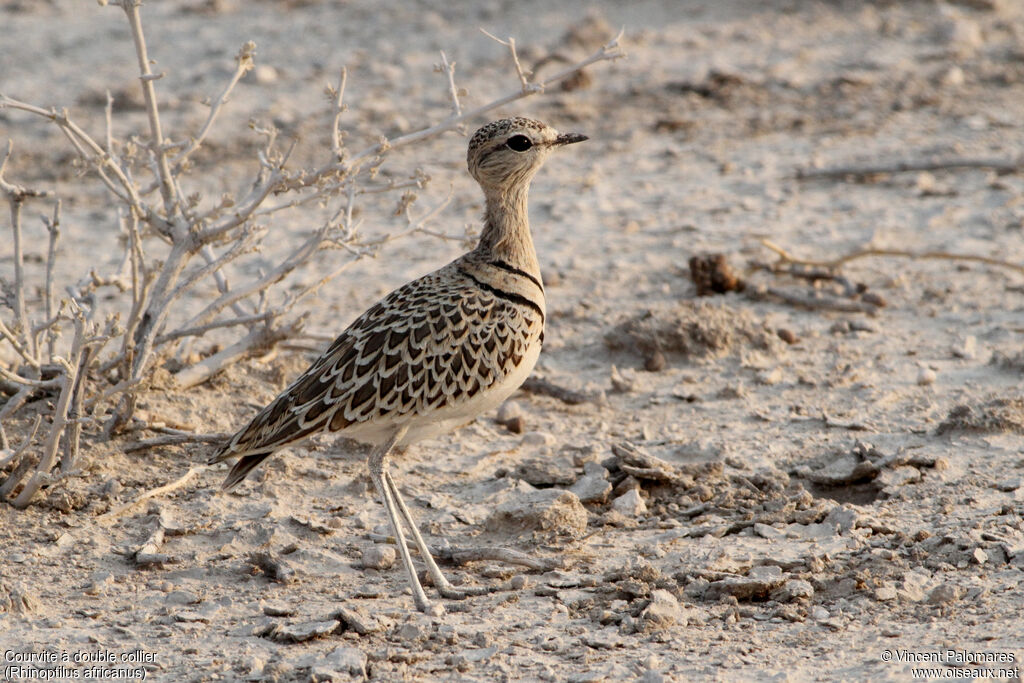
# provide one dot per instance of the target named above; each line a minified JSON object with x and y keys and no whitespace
{"x":845,"y":491}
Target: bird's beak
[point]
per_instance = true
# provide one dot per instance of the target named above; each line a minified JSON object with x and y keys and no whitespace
{"x":569,"y":138}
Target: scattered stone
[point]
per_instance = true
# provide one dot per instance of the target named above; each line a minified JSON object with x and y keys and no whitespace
{"x":99,"y":583}
{"x":787,"y":335}
{"x":413,"y":631}
{"x":180,"y":597}
{"x":1008,"y":485}
{"x":630,"y":504}
{"x":538,"y":439}
{"x":622,"y":382}
{"x":845,"y":468}
{"x":275,"y":568}
{"x":926,"y":376}
{"x":636,"y":462}
{"x":298,"y":633}
{"x":355,"y":619}
{"x":655,"y":361}
{"x":885,"y":593}
{"x":770,"y":377}
{"x":592,"y":488}
{"x":944,"y":593}
{"x":340,"y":663}
{"x":550,"y":510}
{"x":913,"y":589}
{"x":793,"y":589}
{"x":757,"y":586}
{"x":508,"y":411}
{"x":661,"y":613}
{"x":278,"y":610}
{"x":819,"y":613}
{"x":979,"y":556}
{"x":557,"y":471}
{"x":967,"y":349}
{"x":510,"y":415}
{"x":766,"y":531}
{"x":379,"y":556}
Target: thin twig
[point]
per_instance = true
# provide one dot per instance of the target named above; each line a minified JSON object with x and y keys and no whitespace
{"x":899,"y":253}
{"x":109,"y":517}
{"x":131,"y":10}
{"x":339,"y":109}
{"x":243,"y":64}
{"x":539,"y":385}
{"x":999,"y":165}
{"x":449,"y":71}
{"x":826,"y":303}
{"x":7,"y":459}
{"x":53,"y":228}
{"x":174,"y":440}
{"x":60,"y":416}
{"x":524,"y":76}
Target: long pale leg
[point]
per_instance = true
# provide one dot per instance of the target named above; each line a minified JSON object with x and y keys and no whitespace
{"x":379,"y":475}
{"x":444,"y":587}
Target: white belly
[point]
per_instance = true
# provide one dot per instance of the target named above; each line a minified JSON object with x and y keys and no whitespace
{"x":447,"y":418}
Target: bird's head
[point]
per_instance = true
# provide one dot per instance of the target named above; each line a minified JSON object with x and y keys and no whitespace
{"x":508,"y":152}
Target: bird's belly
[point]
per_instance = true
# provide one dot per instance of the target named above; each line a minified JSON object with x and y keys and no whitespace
{"x":446,"y":418}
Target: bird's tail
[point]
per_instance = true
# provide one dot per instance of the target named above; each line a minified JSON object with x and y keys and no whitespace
{"x":242,"y":468}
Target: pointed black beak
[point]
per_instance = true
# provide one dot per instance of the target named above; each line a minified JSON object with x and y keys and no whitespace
{"x":570,"y":138}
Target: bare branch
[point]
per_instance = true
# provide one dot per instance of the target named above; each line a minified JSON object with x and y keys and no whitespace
{"x":860,"y":171}
{"x":524,"y":76}
{"x":16,"y":452}
{"x":243,"y":64}
{"x":53,"y":228}
{"x":200,"y":330}
{"x":449,"y":71}
{"x":109,"y":517}
{"x":60,"y":416}
{"x":339,"y":109}
{"x":261,"y":337}
{"x":131,"y":10}
{"x":899,"y":253}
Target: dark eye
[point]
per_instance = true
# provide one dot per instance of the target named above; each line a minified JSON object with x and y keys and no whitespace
{"x":519,"y":143}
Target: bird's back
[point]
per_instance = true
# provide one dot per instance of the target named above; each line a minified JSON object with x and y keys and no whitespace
{"x":431,"y":355}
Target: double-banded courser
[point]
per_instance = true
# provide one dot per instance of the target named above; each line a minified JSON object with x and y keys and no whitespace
{"x":433,"y":354}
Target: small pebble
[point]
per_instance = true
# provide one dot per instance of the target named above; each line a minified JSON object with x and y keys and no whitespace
{"x":655,"y":361}
{"x":968,"y":349}
{"x":885,"y":593}
{"x":926,"y":376}
{"x":630,"y":504}
{"x":943,"y":593}
{"x":787,"y":335}
{"x":516,"y":425}
{"x":1008,"y":485}
{"x":379,"y":557}
{"x":538,"y":439}
{"x":819,"y":613}
{"x":509,"y":410}
{"x":979,"y":556}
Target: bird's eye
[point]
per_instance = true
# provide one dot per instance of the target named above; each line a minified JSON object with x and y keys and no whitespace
{"x":519,"y":143}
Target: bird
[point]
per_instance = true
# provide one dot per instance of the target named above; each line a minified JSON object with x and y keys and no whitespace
{"x":433,"y":354}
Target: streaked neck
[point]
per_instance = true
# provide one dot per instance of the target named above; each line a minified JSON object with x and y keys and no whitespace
{"x":506,"y":234}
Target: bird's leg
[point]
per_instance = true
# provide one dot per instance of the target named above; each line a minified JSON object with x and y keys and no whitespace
{"x":444,"y":587}
{"x":379,"y":475}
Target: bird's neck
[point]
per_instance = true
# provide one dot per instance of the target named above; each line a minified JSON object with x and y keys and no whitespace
{"x":506,"y":234}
